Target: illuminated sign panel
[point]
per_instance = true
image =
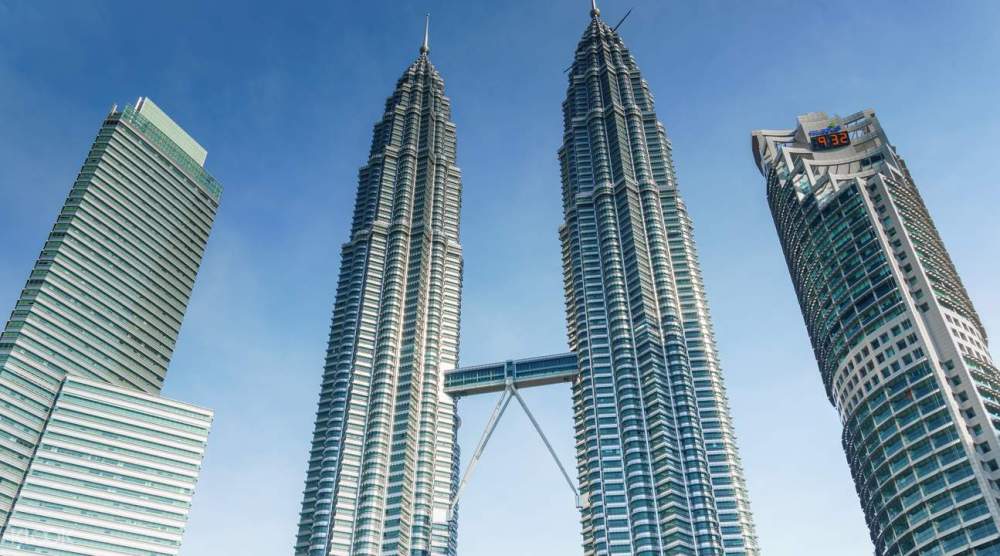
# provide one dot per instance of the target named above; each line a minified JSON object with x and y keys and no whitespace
{"x":829,"y":138}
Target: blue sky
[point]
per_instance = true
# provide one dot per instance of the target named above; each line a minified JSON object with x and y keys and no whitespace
{"x":283,"y":96}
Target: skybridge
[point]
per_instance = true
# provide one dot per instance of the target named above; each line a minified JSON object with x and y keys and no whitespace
{"x":523,"y":373}
{"x":508,"y":377}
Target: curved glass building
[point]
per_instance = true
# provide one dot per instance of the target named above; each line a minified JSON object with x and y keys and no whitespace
{"x":383,"y":465}
{"x":902,"y":353}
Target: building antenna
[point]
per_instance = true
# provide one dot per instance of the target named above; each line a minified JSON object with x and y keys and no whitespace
{"x":622,"y":20}
{"x":594,"y":12}
{"x":426,"y":47}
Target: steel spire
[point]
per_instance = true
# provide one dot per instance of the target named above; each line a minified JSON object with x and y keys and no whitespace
{"x":425,"y":48}
{"x":594,"y":12}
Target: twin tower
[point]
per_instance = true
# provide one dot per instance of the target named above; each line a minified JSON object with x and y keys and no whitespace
{"x":657,"y":464}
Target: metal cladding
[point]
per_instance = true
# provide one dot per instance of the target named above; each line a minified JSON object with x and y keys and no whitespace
{"x":383,"y":465}
{"x":900,"y":348}
{"x":656,"y":454}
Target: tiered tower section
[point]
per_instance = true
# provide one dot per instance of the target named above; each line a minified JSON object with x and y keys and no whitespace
{"x":657,"y":460}
{"x":901,"y":350}
{"x":384,"y":462}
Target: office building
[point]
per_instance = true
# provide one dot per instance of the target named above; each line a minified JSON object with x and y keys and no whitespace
{"x":92,"y":461}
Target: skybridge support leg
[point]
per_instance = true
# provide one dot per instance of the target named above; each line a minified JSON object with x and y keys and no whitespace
{"x":491,"y":426}
{"x":555,"y":458}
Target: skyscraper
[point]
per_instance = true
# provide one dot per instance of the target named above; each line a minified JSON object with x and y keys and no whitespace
{"x":656,"y":449}
{"x":901,"y":351}
{"x":91,"y":458}
{"x":657,"y":461}
{"x":383,"y":464}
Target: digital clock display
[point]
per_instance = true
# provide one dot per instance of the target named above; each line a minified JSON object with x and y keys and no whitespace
{"x":830,"y":139}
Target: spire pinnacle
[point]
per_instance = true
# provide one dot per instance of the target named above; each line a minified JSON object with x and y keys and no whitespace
{"x":594,"y":12}
{"x":426,"y":47}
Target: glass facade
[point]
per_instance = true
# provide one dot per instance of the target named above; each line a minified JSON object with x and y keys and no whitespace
{"x":656,"y":454}
{"x":114,"y":473}
{"x":106,"y":297}
{"x":384,"y":463}
{"x":901,"y":350}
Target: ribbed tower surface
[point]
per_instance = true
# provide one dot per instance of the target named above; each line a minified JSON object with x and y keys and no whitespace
{"x":656,"y":453}
{"x":384,"y":462}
